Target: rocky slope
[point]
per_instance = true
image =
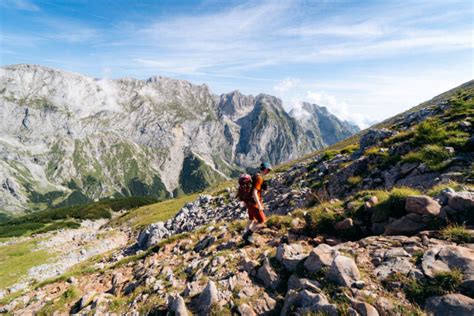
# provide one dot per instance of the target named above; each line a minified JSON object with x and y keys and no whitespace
{"x":68,"y":139}
{"x":376,"y":225}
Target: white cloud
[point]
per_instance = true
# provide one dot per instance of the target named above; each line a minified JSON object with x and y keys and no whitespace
{"x":285,"y":85}
{"x":339,"y":108}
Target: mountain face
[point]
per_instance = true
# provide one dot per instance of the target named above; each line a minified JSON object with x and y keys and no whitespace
{"x":68,"y":139}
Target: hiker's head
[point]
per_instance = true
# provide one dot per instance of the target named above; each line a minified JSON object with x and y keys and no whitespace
{"x":265,"y":167}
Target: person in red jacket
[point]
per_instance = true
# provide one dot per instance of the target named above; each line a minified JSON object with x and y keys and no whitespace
{"x":255,"y":206}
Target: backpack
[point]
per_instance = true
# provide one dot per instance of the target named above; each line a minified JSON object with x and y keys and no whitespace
{"x":244,"y":192}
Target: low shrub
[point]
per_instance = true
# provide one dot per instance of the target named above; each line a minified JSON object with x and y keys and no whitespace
{"x":441,"y":284}
{"x":430,"y":132}
{"x":433,"y":156}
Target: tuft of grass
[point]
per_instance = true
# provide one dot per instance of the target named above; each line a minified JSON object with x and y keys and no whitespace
{"x":322,"y":218}
{"x":457,"y":233}
{"x":329,"y":154}
{"x":392,"y":204}
{"x":354,"y":180}
{"x":441,"y":284}
{"x":435,"y":190}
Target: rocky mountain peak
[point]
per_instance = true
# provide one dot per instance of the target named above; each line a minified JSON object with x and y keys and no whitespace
{"x":129,"y":137}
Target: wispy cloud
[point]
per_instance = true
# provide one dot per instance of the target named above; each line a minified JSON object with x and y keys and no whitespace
{"x":24,"y":5}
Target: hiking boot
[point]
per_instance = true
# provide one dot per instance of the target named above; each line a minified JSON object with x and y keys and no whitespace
{"x":247,"y":237}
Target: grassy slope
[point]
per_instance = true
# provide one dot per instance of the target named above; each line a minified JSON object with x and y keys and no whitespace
{"x":162,"y":211}
{"x":17,"y":259}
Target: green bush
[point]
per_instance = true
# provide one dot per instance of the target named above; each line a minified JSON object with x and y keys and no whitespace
{"x":433,"y":156}
{"x":430,"y":132}
{"x":457,"y":233}
{"x":442,"y":283}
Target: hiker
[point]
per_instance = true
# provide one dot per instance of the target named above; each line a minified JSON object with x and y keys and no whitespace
{"x":250,"y":192}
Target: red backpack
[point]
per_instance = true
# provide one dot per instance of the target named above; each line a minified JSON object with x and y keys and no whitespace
{"x":245,"y":188}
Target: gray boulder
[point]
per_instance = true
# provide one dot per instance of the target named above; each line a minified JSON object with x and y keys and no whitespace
{"x":450,"y":305}
{"x":153,"y":234}
{"x":295,"y":283}
{"x":422,"y":204}
{"x":208,"y":297}
{"x":446,"y":258}
{"x":365,"y":309}
{"x":407,"y":225}
{"x":343,"y":271}
{"x":462,"y":201}
{"x":177,"y":306}
{"x":304,"y":302}
{"x":322,"y":255}
{"x":245,"y":310}
{"x":374,"y":136}
{"x":267,"y":275}
{"x":290,"y":255}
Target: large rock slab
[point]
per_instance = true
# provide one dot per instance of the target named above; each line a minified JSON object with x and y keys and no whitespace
{"x":343,"y":271}
{"x":290,"y":255}
{"x":422,"y":204}
{"x":462,"y":201}
{"x":450,"y":305}
{"x":407,"y":225}
{"x":322,"y":255}
{"x":445,"y":258}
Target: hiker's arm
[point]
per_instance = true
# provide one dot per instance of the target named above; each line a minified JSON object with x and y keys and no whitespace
{"x":255,"y":196}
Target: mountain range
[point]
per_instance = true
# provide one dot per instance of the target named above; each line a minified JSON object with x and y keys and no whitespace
{"x":70,"y":139}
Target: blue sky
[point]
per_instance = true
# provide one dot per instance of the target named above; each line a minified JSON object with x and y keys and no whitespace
{"x":365,"y":60}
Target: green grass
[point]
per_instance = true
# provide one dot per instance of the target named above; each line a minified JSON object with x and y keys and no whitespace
{"x":321,"y":219}
{"x":430,"y":131}
{"x":434,"y":157}
{"x":392,"y":204}
{"x":457,"y":233}
{"x":17,"y":259}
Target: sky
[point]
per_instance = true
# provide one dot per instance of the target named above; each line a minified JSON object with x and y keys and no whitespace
{"x":364,"y":60}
